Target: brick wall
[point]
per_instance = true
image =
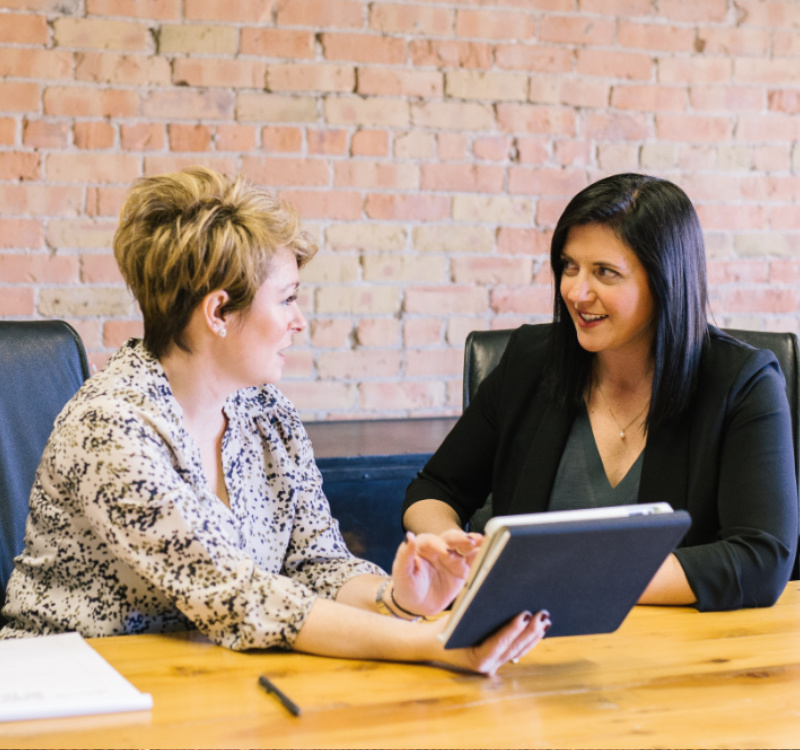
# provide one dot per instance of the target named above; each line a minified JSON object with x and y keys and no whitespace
{"x":430,"y":146}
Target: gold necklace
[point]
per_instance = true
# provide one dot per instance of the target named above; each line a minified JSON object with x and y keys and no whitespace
{"x":614,"y":416}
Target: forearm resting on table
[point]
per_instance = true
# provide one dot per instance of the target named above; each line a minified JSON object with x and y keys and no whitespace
{"x":669,"y":585}
{"x":431,"y":516}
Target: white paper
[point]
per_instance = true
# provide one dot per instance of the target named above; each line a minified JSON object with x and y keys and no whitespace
{"x":61,"y":675}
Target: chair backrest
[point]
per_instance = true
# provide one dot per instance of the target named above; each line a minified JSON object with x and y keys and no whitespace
{"x":483,"y":350}
{"x":42,"y":365}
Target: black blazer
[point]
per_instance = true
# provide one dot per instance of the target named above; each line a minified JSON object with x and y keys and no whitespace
{"x":729,"y":462}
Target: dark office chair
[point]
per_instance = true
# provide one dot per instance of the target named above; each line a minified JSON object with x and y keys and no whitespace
{"x":42,"y":365}
{"x":483,"y":350}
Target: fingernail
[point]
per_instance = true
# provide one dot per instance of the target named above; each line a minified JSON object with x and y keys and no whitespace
{"x":547,"y":626}
{"x":527,"y":617}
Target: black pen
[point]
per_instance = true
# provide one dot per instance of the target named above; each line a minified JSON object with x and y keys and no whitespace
{"x":287,"y":702}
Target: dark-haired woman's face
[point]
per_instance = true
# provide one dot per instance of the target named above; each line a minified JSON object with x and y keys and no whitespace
{"x":606,"y":290}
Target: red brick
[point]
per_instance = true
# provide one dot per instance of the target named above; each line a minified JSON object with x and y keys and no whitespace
{"x":117,"y":332}
{"x":618,"y":7}
{"x":8,"y":129}
{"x":535,"y":58}
{"x":785,"y":218}
{"x":235,"y":137}
{"x":18,"y":96}
{"x":157,"y":10}
{"x":785,"y":44}
{"x":452,"y":146}
{"x":94,"y":134}
{"x":65,"y":101}
{"x":773,"y":127}
{"x":142,"y":136}
{"x":336,"y":14}
{"x":39,"y":268}
{"x":774,"y":13}
{"x":16,"y":233}
{"x":378,"y":332}
{"x":287,"y":171}
{"x":531,"y":300}
{"x":684,"y":71}
{"x":333,"y":333}
{"x":419,"y":332}
{"x":453,"y":115}
{"x":580,"y":30}
{"x":649,"y":98}
{"x":628,"y":65}
{"x":16,"y":302}
{"x":277,"y":43}
{"x":397,"y":18}
{"x":445,"y":300}
{"x":42,"y":134}
{"x":785,"y":100}
{"x":739,"y":271}
{"x":95,"y":33}
{"x":100,"y":269}
{"x":158,"y":164}
{"x":735,"y":42}
{"x":105,"y":201}
{"x":369,"y":143}
{"x":282,"y":139}
{"x":462,"y":177}
{"x":364,"y":48}
{"x":359,"y":364}
{"x":434,"y":363}
{"x":726,"y":217}
{"x":189,"y":137}
{"x":706,"y":12}
{"x":727,"y":98}
{"x":213,"y":10}
{"x":574,"y":153}
{"x":392,"y":82}
{"x":617,"y":127}
{"x":310,"y":77}
{"x":24,"y":62}
{"x":189,"y":104}
{"x":81,"y":233}
{"x":23,"y":28}
{"x":760,"y":300}
{"x":450,"y":54}
{"x":91,"y":168}
{"x":522,"y":241}
{"x":660,"y":37}
{"x":689,"y":127}
{"x":370,"y":112}
{"x":407,"y":207}
{"x":772,"y":72}
{"x":392,"y":397}
{"x":375,"y":175}
{"x":40,"y":199}
{"x":532,"y":181}
{"x":533,"y":118}
{"x":494,"y":148}
{"x":133,"y":70}
{"x":532,"y":150}
{"x":20,"y":165}
{"x":217,"y":72}
{"x":490,"y":270}
{"x":339,"y":206}
{"x":495,"y":24}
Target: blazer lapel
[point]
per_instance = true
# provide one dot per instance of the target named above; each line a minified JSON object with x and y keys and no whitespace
{"x":665,"y":469}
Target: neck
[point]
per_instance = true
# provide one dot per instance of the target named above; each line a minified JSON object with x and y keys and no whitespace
{"x":622,"y":373}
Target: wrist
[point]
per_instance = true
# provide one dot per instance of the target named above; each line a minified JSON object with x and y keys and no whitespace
{"x":386,"y":603}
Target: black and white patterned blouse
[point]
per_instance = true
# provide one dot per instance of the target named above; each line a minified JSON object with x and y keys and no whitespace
{"x":126,"y":536}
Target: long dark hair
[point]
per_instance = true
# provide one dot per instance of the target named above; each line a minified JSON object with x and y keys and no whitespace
{"x":658,"y":222}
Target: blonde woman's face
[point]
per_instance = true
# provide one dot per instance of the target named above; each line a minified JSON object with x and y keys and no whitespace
{"x":260,"y":335}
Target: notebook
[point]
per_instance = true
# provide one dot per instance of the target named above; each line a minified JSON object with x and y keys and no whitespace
{"x":587,"y":567}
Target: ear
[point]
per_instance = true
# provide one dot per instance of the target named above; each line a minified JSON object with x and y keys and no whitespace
{"x":211,"y":309}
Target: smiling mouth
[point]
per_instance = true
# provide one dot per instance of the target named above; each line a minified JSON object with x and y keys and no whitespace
{"x":590,"y":318}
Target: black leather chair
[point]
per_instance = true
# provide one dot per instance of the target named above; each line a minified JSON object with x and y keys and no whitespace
{"x":483,"y":350}
{"x":42,"y":365}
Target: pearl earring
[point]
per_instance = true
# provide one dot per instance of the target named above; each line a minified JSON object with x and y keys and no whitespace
{"x":222,"y":331}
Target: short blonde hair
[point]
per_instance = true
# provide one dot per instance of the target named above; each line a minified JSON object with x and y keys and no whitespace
{"x":188,"y":233}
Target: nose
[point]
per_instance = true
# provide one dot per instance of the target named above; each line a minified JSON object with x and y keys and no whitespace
{"x":299,"y":322}
{"x":576,"y":289}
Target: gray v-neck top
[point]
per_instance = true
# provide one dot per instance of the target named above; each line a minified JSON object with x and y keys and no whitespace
{"x":581,"y":480}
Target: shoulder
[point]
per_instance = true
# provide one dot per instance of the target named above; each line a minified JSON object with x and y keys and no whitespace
{"x":728,"y":358}
{"x":529,"y":341}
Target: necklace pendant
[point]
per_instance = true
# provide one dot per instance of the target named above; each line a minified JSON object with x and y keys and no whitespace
{"x":622,"y":434}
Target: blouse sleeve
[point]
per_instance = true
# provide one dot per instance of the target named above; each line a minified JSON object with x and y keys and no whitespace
{"x":150,"y":517}
{"x":756,"y":504}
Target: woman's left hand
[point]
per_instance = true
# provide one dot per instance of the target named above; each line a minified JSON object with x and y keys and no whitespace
{"x":429,"y":570}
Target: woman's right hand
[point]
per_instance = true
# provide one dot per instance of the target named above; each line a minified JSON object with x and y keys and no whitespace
{"x":510,"y":643}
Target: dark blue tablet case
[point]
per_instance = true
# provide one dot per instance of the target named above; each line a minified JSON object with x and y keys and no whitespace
{"x":587,"y":574}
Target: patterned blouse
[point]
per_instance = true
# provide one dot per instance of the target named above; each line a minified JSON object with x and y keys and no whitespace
{"x":125,"y":534}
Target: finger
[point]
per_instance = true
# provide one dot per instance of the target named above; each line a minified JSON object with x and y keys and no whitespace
{"x":404,"y":558}
{"x":498,"y":648}
{"x":530,"y":637}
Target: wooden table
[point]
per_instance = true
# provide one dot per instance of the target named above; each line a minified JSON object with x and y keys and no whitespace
{"x":670,"y":677}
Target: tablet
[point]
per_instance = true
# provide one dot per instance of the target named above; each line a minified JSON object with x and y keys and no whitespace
{"x":587,"y":567}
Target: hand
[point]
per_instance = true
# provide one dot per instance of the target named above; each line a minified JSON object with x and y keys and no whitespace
{"x":429,"y":570}
{"x":510,"y":643}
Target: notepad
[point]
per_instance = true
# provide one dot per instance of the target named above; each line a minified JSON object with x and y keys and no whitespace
{"x":586,"y":567}
{"x":61,"y":675}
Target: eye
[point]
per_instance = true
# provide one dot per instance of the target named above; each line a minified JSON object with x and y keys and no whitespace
{"x":568,"y":267}
{"x":609,"y":274}
{"x":291,"y":299}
